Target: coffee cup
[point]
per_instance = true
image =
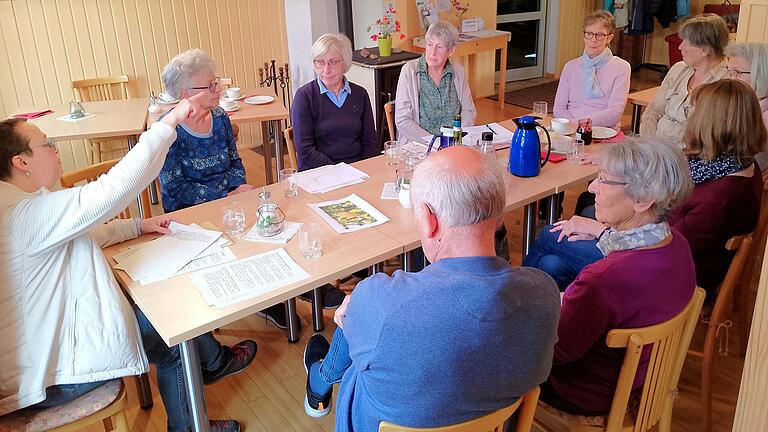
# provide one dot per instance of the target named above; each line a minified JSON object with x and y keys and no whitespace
{"x":233,"y":92}
{"x":561,"y":125}
{"x":227,"y":103}
{"x":560,"y":143}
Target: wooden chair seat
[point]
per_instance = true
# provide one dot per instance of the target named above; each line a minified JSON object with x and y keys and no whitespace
{"x":102,"y":403}
{"x":101,"y":89}
{"x":559,"y":421}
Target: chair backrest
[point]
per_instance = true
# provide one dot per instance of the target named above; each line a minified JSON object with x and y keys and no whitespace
{"x":669,"y":343}
{"x":100,"y":89}
{"x":288,"y":134}
{"x":91,"y":173}
{"x":389,"y":111}
{"x":490,"y":422}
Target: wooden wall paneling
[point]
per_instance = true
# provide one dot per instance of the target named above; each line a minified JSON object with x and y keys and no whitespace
{"x":752,"y":21}
{"x":571,"y":44}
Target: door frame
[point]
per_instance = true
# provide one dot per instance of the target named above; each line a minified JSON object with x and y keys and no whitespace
{"x":528,"y":72}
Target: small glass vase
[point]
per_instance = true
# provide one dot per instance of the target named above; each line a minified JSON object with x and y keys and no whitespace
{"x":385,"y":46}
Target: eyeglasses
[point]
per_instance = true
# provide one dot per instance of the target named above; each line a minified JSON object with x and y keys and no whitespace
{"x":596,"y":36}
{"x":735,"y":72}
{"x":602,"y":180}
{"x":210,"y":87}
{"x":320,"y":64}
{"x":51,"y":144}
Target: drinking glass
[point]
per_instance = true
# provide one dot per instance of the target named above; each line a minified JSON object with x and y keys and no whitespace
{"x":233,"y":219}
{"x":309,"y":241}
{"x":540,"y":109}
{"x":403,"y":178}
{"x":290,"y":189}
{"x":392,"y":152}
{"x":577,"y":151}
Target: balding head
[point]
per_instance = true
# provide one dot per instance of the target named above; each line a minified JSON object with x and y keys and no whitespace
{"x":460,"y":185}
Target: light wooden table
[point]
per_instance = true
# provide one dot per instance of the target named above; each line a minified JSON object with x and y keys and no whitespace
{"x":113,"y":119}
{"x":478,"y":44}
{"x":269,"y":115}
{"x":639,"y":100}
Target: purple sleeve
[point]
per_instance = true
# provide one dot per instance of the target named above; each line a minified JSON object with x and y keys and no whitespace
{"x":304,"y":132}
{"x":560,"y":109}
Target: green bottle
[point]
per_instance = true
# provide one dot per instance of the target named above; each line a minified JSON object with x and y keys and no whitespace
{"x":457,"y":129}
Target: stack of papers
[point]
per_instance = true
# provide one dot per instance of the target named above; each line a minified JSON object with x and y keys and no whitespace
{"x":328,"y":177}
{"x":246,"y":278}
{"x":187,"y":248}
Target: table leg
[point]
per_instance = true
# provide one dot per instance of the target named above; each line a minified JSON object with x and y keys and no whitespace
{"x":317,"y":309}
{"x":554,"y":206}
{"x":193,"y":381}
{"x":471,"y":75}
{"x":376,"y":268}
{"x":275,"y":126}
{"x":145,"y":391}
{"x":636,"y":111}
{"x":153,"y":193}
{"x":293,"y":320}
{"x":267,"y":151}
{"x":502,"y":75}
{"x":529,"y":227}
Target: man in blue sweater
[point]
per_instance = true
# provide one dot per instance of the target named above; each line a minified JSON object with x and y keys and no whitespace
{"x":462,"y":338}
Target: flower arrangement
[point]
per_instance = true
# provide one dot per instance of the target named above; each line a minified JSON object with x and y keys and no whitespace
{"x":459,"y":10}
{"x":387,"y":26}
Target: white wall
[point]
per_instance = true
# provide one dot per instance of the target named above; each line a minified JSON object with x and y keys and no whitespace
{"x":365,"y":13}
{"x":317,"y":16}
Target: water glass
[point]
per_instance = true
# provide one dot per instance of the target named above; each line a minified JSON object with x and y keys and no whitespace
{"x":403,"y":177}
{"x":577,"y":151}
{"x":488,"y":150}
{"x":392,"y":152}
{"x":309,"y":241}
{"x":290,"y":189}
{"x":233,"y":219}
{"x":540,"y":109}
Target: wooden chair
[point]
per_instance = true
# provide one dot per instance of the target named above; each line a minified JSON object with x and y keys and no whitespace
{"x":742,"y":296}
{"x":669,"y":344}
{"x":743,"y":246}
{"x":101,"y":89}
{"x":490,"y":422}
{"x":91,"y":173}
{"x":288,"y":134}
{"x":389,"y":112}
{"x":105,"y":404}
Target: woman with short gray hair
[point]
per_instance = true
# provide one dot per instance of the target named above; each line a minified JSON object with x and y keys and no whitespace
{"x":704,"y":40}
{"x":646,"y":274}
{"x":432,"y":89}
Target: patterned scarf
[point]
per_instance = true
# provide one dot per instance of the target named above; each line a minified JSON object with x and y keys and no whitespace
{"x":721,"y":166}
{"x":591,"y":65}
{"x":645,"y":236}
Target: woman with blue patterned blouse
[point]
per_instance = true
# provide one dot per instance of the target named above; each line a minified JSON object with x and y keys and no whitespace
{"x":202,"y":164}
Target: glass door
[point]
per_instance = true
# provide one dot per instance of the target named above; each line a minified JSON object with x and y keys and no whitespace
{"x":526,"y":20}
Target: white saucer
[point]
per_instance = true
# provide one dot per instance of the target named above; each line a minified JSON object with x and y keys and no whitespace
{"x":259,"y":100}
{"x":237,"y":107}
{"x":241,"y":97}
{"x":165,"y":99}
{"x":601,"y":132}
{"x":570,"y":130}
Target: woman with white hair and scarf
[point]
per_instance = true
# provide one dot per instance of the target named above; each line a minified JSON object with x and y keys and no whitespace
{"x":596,"y":84}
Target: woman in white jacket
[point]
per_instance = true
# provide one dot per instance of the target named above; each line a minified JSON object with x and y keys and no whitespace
{"x":65,"y":325}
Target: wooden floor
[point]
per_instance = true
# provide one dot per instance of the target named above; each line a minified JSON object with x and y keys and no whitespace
{"x":269,"y":395}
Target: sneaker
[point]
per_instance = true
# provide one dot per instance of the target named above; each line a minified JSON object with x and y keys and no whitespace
{"x":276,"y":315}
{"x":332,"y":296}
{"x":240,"y":356}
{"x":316,"y":349}
{"x":224,"y":425}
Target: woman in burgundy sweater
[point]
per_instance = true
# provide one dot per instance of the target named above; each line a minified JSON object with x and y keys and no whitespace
{"x":646,"y":276}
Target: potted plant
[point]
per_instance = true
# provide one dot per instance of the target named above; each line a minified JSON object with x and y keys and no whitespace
{"x":384,"y":29}
{"x":459,"y":10}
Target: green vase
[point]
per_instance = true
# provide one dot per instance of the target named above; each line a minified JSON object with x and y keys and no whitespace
{"x":385,"y":46}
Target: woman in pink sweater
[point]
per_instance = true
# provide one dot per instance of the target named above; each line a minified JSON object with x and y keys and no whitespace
{"x":596,"y":84}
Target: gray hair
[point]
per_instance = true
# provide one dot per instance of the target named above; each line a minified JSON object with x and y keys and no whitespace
{"x":706,"y":31}
{"x":445,"y":32}
{"x":653,"y":169}
{"x":337,"y":42}
{"x":756,"y":54}
{"x":179,"y":71}
{"x":459,"y":195}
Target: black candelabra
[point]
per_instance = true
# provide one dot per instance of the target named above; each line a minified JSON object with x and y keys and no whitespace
{"x":280,"y":78}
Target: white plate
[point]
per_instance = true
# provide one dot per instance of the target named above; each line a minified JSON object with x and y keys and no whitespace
{"x":600,"y":132}
{"x":571,"y":129}
{"x":259,"y":100}
{"x":230,"y":110}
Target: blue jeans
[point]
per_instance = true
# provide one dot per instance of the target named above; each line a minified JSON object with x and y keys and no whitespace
{"x":563,"y":261}
{"x":323,"y":375}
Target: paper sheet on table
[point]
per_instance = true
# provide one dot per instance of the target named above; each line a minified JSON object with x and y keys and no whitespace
{"x":166,"y":255}
{"x":289,"y":229}
{"x":501,"y":135}
{"x":240,"y":280}
{"x":328,"y":177}
{"x":217,"y":255}
{"x":388,"y":192}
{"x":349,"y":214}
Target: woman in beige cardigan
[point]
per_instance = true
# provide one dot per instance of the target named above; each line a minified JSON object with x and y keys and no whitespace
{"x":704,"y":40}
{"x":432,"y":89}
